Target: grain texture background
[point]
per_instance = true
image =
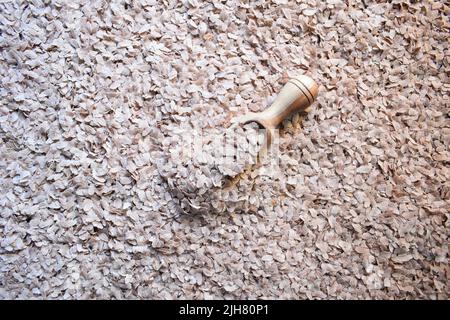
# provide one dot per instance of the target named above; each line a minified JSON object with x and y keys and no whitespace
{"x":93,"y":91}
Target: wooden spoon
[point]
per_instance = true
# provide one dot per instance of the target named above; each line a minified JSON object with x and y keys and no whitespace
{"x":297,"y":95}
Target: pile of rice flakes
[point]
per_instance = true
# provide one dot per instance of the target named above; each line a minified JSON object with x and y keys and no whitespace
{"x":94,"y":94}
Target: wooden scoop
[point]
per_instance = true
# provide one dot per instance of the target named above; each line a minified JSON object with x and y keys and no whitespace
{"x":297,"y":95}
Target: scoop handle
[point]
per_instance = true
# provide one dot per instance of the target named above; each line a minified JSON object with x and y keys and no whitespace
{"x":296,"y":95}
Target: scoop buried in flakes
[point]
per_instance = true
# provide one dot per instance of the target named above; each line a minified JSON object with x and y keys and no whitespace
{"x":204,"y":168}
{"x":297,"y":95}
